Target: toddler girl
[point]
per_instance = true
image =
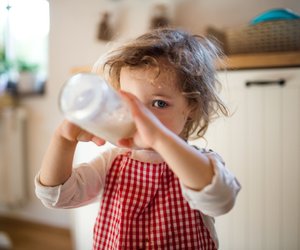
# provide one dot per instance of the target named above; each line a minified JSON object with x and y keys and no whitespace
{"x":156,"y":190}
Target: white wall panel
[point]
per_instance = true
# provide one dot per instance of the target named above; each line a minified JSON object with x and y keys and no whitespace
{"x":261,"y":145}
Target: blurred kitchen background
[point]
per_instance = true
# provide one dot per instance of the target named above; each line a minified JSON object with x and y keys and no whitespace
{"x":44,"y":42}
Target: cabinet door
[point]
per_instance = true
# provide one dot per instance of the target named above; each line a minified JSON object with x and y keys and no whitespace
{"x":260,"y":143}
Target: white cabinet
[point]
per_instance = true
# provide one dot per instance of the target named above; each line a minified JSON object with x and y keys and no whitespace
{"x":261,"y":145}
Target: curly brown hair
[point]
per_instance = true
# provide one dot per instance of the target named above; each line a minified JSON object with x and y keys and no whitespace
{"x":192,"y":56}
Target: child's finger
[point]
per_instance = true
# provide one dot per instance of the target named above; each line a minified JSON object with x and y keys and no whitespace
{"x":73,"y":132}
{"x":132,"y":101}
{"x":69,"y":130}
{"x":84,"y":136}
{"x":98,"y":141}
{"x":125,"y":142}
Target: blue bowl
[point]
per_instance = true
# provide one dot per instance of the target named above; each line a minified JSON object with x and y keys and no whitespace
{"x":275,"y":14}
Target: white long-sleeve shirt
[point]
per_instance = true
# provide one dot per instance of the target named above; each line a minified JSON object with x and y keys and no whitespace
{"x":87,"y":182}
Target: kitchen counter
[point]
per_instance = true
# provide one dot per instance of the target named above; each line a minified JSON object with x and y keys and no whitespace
{"x":243,"y":61}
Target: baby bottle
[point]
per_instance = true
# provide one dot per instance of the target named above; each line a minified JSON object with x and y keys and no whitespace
{"x":89,"y":102}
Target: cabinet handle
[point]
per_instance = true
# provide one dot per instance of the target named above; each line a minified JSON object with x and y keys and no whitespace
{"x":280,"y":82}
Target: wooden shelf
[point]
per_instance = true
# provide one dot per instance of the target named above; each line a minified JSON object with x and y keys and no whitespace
{"x":261,"y":60}
{"x":244,"y":61}
{"x":81,"y":69}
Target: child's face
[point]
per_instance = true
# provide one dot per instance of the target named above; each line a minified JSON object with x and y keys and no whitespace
{"x":159,"y":94}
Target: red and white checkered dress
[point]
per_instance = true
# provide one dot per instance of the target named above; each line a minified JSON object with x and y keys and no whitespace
{"x":143,"y":208}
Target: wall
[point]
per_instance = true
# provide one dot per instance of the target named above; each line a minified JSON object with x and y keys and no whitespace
{"x":73,"y":43}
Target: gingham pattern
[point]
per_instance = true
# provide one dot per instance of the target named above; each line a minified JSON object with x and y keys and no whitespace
{"x":143,"y":208}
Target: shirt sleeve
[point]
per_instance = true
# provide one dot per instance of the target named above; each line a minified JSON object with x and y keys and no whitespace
{"x":219,"y":196}
{"x":84,"y":186}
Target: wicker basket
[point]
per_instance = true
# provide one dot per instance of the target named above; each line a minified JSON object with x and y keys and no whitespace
{"x":272,"y":36}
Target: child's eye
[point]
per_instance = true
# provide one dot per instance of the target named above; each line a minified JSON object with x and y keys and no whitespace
{"x":159,"y":104}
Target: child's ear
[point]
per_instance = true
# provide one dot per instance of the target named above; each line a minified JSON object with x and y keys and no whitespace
{"x":190,"y":113}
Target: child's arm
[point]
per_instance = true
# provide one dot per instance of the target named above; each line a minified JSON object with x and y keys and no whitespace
{"x":193,"y":168}
{"x":57,"y":163}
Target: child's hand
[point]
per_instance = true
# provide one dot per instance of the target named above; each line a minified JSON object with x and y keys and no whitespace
{"x":148,"y":125}
{"x":73,"y":133}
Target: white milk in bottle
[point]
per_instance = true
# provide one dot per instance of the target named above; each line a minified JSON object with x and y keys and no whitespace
{"x":88,"y":101}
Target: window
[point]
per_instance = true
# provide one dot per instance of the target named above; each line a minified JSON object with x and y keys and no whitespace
{"x":24,"y":29}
